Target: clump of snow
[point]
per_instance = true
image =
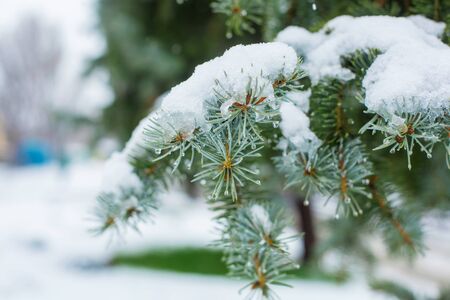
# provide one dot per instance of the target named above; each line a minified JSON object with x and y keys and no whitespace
{"x":418,"y":82}
{"x":119,"y":175}
{"x":233,"y":69}
{"x":300,"y":99}
{"x":300,"y":39}
{"x":427,"y":25}
{"x":295,"y":127}
{"x":345,"y":34}
{"x":410,"y":76}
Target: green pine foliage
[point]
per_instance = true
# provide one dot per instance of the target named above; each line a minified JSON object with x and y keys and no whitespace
{"x":242,"y":15}
{"x":313,"y":14}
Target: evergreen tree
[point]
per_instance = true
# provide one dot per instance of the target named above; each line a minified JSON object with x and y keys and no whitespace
{"x":325,"y":125}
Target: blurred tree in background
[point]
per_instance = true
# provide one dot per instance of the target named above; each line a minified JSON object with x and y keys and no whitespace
{"x":29,"y":59}
{"x":150,"y":47}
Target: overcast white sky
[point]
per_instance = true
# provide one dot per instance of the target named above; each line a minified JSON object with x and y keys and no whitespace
{"x":76,"y":21}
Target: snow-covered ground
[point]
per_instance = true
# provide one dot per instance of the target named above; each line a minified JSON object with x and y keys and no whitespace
{"x":46,"y":251}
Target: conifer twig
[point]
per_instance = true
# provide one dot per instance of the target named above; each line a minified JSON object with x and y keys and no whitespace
{"x":387,"y":211}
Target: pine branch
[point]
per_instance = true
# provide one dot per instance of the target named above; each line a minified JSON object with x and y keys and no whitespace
{"x":403,"y":133}
{"x":437,"y":10}
{"x":328,"y":118}
{"x":251,"y":227}
{"x":358,"y":63}
{"x":352,"y":170}
{"x":255,"y":247}
{"x":242,"y":15}
{"x":310,"y":172}
{"x":387,"y":212}
{"x":292,"y":12}
{"x":393,"y":289}
{"x":226,"y":162}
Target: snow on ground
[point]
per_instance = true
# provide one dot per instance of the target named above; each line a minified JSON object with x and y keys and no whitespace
{"x":47,"y":253}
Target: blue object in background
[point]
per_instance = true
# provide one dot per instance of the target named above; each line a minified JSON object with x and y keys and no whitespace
{"x":33,"y":152}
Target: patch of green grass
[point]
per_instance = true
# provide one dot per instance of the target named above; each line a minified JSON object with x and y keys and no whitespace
{"x":206,"y":261}
{"x":185,"y":260}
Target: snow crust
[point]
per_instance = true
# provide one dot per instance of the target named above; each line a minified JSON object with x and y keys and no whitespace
{"x":410,"y":76}
{"x":233,"y":70}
